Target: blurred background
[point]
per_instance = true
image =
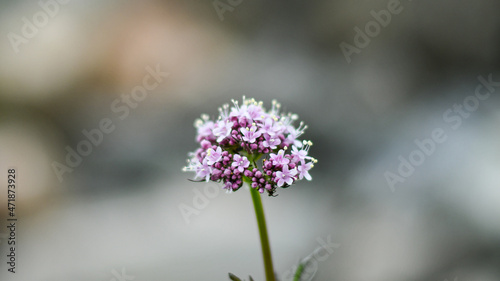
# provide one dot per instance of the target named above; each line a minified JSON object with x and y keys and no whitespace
{"x":119,"y":213}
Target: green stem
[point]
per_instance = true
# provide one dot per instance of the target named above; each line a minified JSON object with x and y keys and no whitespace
{"x":264,"y":240}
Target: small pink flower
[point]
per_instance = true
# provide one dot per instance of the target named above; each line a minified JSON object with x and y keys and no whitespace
{"x":285,"y":176}
{"x":271,"y":142}
{"x":214,"y":156}
{"x":279,"y":159}
{"x":303,"y":169}
{"x":203,"y":170}
{"x":240,"y":162}
{"x":250,"y":135}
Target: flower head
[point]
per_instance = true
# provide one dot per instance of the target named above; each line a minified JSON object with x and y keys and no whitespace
{"x":247,"y":143}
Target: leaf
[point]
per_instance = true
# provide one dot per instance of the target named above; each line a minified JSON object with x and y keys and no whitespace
{"x":195,"y":180}
{"x":233,"y":277}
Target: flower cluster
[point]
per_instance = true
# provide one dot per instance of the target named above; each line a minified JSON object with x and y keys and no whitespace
{"x":249,"y":144}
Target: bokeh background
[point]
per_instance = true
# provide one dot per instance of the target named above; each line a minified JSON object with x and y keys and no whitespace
{"x":119,"y":211}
